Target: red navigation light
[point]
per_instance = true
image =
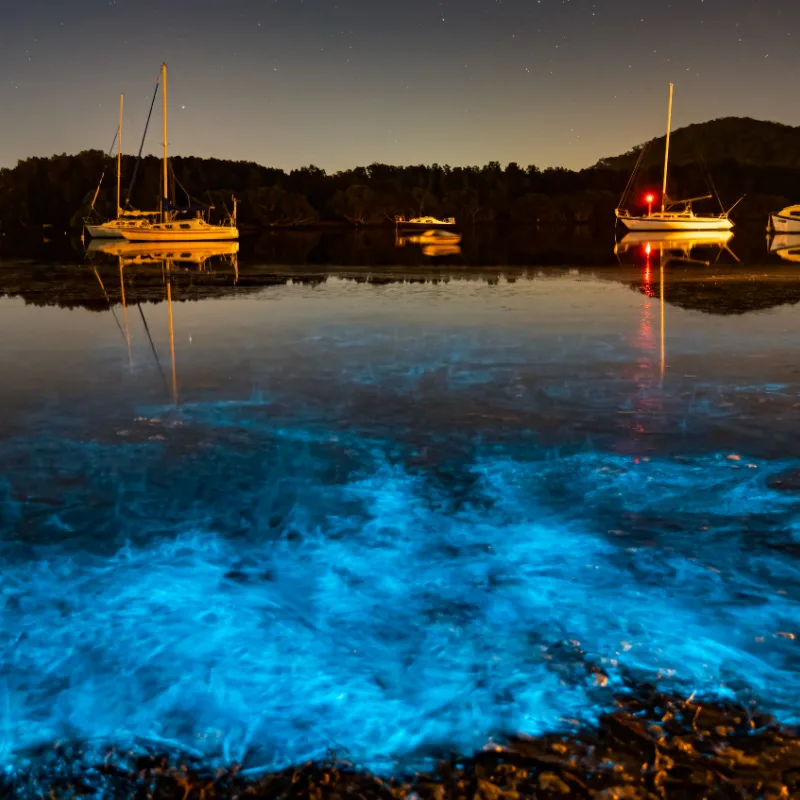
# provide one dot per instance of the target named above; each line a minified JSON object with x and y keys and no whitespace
{"x":649,"y":198}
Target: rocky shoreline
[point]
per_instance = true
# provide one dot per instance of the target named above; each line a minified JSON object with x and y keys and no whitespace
{"x":653,"y":745}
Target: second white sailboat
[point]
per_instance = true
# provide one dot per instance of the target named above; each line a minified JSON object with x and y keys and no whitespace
{"x":675,"y":215}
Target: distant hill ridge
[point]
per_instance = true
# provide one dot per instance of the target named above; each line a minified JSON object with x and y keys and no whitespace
{"x":753,"y":142}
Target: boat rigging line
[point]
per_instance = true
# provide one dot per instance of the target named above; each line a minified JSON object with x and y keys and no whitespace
{"x":632,"y":179}
{"x":108,"y":300}
{"x":189,"y":198}
{"x":141,"y":146}
{"x":100,"y":182}
{"x":698,"y":153}
{"x":152,"y":345}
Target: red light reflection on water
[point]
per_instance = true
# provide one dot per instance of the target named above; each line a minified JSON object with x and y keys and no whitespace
{"x":647,"y":285}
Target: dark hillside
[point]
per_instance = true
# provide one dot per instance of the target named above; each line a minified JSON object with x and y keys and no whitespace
{"x":749,"y":142}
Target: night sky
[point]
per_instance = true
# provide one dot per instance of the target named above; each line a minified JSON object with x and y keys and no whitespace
{"x":340,"y":83}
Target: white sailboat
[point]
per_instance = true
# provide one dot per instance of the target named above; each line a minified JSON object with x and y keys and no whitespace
{"x":125,"y":218}
{"x":675,"y":215}
{"x":786,"y":220}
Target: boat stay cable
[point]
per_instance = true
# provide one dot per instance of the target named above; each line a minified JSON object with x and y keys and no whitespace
{"x":712,"y":186}
{"x":706,"y":171}
{"x":189,"y":198}
{"x":152,"y":345}
{"x":103,"y":174}
{"x":635,"y":172}
{"x":108,"y":300}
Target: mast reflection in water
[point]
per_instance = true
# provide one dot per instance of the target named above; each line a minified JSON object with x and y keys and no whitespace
{"x":169,"y":257}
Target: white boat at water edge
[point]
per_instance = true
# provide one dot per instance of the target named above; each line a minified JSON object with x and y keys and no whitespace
{"x":675,"y":215}
{"x":424,"y":222}
{"x":787,"y":220}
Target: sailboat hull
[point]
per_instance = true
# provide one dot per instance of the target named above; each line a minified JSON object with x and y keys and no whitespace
{"x":666,"y":224}
{"x":208,"y":233}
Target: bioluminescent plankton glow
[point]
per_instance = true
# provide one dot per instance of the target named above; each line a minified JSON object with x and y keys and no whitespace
{"x":489,"y":532}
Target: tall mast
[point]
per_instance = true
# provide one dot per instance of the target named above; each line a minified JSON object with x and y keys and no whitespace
{"x":666,"y":152}
{"x":119,"y":153}
{"x":165,"y":189}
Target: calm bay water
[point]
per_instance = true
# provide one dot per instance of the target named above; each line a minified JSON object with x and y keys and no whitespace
{"x":394,"y":510}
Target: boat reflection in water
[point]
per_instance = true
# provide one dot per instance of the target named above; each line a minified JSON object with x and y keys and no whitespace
{"x":178,"y":254}
{"x":786,"y":246}
{"x":170,"y":258}
{"x":434,"y":242}
{"x":660,"y":250}
{"x":676,"y":245}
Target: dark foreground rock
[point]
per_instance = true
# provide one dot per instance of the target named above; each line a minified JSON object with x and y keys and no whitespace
{"x":787,"y":482}
{"x":652,"y":746}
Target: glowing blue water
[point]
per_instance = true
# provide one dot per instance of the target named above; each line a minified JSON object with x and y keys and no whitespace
{"x":396,"y":555}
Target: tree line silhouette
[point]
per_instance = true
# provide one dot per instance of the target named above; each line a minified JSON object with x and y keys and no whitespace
{"x":58,"y":190}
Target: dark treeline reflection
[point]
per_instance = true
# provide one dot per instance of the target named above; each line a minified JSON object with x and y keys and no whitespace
{"x":379,"y":247}
{"x":743,"y":157}
{"x":740,"y":278}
